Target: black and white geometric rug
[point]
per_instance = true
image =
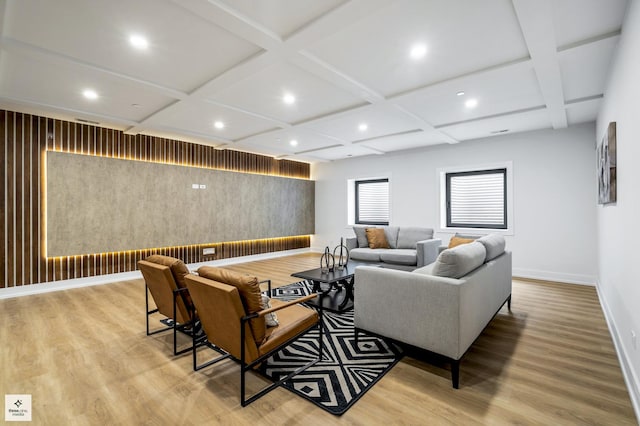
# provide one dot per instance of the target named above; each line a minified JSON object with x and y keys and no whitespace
{"x":346,"y":371}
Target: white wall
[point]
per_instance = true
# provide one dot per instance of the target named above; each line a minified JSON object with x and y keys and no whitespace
{"x":618,"y":252}
{"x":554,"y":196}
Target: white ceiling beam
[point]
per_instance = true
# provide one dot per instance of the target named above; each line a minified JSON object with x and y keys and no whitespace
{"x":536,"y":22}
{"x":214,"y":141}
{"x":590,"y":40}
{"x":11,"y":44}
{"x":340,"y":17}
{"x":316,"y":66}
{"x":106,"y":120}
{"x":224,"y":16}
{"x":236,"y":74}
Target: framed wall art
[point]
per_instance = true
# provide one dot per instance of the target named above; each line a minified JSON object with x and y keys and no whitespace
{"x":606,"y":159}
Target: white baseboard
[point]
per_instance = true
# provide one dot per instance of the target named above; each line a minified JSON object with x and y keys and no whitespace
{"x":250,"y":258}
{"x":630,"y":376}
{"x":554,"y":276}
{"x":27,"y":290}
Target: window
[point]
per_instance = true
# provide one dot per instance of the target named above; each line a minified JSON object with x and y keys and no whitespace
{"x":477,"y":199}
{"x":372,"y":201}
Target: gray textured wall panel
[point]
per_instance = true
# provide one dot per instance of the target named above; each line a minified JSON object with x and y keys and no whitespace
{"x":98,"y":204}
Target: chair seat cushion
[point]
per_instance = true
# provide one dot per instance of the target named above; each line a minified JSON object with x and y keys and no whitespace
{"x":366,"y":254}
{"x":293,"y":321}
{"x":399,"y":256}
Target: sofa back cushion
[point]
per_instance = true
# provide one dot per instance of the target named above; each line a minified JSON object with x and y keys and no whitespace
{"x":494,"y":245}
{"x":361,"y":235}
{"x":459,"y":261}
{"x":391,"y":232}
{"x":467,"y":236}
{"x":408,"y":237}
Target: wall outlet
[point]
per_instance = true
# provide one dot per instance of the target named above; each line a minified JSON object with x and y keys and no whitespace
{"x":208,"y":251}
{"x":634,"y":343}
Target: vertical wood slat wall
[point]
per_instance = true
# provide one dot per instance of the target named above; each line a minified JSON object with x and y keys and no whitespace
{"x":25,"y":138}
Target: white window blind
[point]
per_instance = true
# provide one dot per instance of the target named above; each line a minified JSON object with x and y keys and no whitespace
{"x":477,"y":199}
{"x":372,"y":202}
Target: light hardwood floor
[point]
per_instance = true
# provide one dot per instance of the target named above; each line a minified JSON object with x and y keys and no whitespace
{"x":84,"y":356}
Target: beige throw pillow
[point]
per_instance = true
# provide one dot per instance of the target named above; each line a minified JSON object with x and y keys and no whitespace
{"x":376,"y":238}
{"x":456,"y":241}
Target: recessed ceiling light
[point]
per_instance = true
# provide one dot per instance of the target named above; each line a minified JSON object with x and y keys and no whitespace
{"x":90,"y":94}
{"x":460,"y":93}
{"x":418,"y":51}
{"x":288,"y":98}
{"x":293,"y":142}
{"x":471,"y":103}
{"x":363,"y":127}
{"x":138,"y":41}
{"x":218,"y":125}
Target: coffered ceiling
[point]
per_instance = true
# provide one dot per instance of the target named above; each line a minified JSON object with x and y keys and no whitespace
{"x":363,"y":76}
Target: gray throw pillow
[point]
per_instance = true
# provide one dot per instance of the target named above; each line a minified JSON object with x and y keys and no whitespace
{"x":459,"y":261}
{"x":361,"y":235}
{"x":494,"y":245}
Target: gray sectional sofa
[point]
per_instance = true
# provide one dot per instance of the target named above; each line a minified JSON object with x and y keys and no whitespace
{"x":442,"y":307}
{"x":409,"y":247}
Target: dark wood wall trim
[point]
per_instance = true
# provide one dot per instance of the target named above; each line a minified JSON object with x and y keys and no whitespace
{"x":25,"y":138}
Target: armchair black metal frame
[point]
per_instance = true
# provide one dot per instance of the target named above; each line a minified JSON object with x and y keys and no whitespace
{"x":167,"y":294}
{"x":175,"y":326}
{"x":259,"y":361}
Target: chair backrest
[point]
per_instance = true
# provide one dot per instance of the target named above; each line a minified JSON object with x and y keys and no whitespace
{"x":220,"y":310}
{"x":161,"y":284}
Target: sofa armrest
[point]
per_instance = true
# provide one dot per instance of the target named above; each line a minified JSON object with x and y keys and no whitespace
{"x":351,"y":243}
{"x":427,"y":251}
{"x":421,"y":310}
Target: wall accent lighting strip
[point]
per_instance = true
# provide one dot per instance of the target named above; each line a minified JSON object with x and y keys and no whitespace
{"x":24,"y":138}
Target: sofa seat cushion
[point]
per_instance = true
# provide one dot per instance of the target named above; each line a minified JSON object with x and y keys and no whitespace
{"x":366,"y":254}
{"x":425,"y":270}
{"x":399,"y":256}
{"x":408,"y":237}
{"x":459,"y":261}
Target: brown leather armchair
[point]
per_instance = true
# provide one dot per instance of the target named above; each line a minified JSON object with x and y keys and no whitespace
{"x":164,"y":279}
{"x":234,"y":325}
